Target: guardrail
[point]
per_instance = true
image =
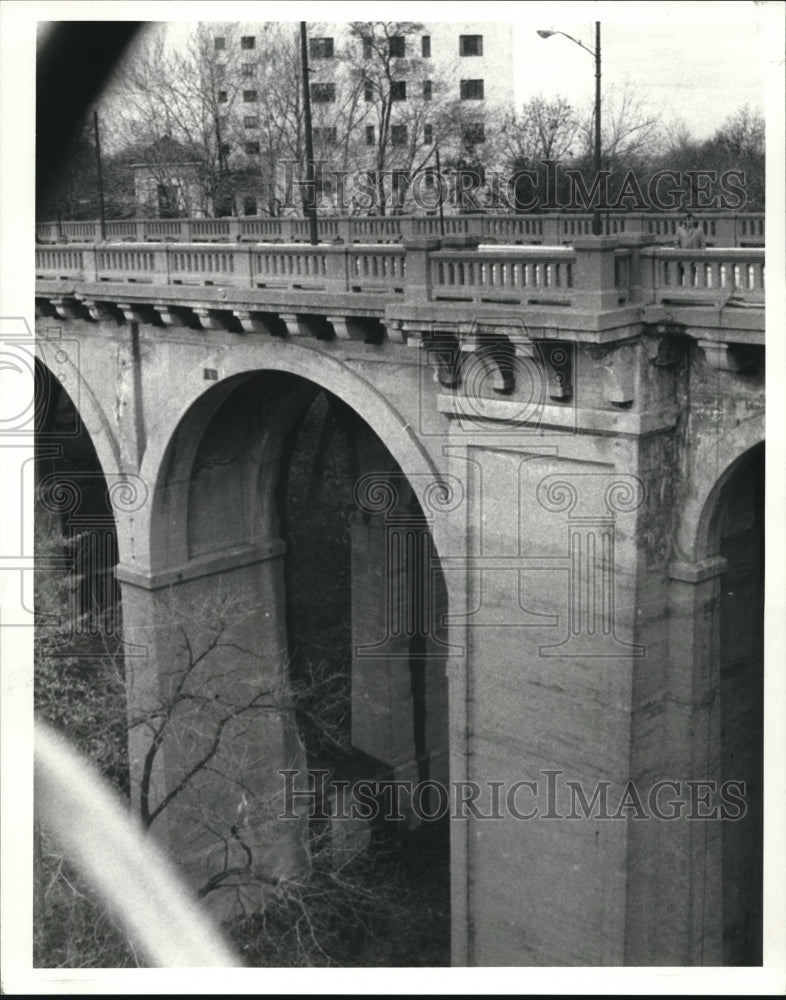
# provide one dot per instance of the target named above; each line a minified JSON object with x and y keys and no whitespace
{"x":596,"y":274}
{"x":682,"y":276}
{"x":550,"y":229}
{"x":507,"y":277}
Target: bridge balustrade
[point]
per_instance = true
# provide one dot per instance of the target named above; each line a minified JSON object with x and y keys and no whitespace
{"x":514,"y":228}
{"x":505,"y":276}
{"x":374,"y":229}
{"x":378,"y":269}
{"x":430,"y":270}
{"x":124,"y":264}
{"x":212,"y":229}
{"x":720,"y":228}
{"x":717,"y":274}
{"x":59,"y":261}
{"x":264,"y":229}
{"x":121,"y":229}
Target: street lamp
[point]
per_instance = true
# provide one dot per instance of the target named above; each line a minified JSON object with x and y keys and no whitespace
{"x":595,"y":53}
{"x":311,"y":188}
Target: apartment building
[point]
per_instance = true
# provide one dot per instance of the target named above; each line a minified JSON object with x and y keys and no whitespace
{"x":384,"y":95}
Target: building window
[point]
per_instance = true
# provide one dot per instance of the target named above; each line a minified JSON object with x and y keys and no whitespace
{"x":250,"y":121}
{"x":220,"y":72}
{"x":398,"y":135}
{"x":222,"y":97}
{"x":326,"y":134}
{"x":368,"y":91}
{"x":320,"y":48}
{"x":428,"y":134}
{"x":250,"y":96}
{"x":249,"y":205}
{"x":398,"y":90}
{"x":471,"y":90}
{"x":370,"y":140}
{"x":368,"y":49}
{"x":470,"y":45}
{"x":427,"y":90}
{"x":425,"y":46}
{"x":323,"y":93}
{"x":223,"y":121}
{"x":225,"y":149}
{"x":248,"y":42}
{"x":396,"y":46}
{"x":473,"y":133}
{"x":220,"y":43}
{"x":249,"y":69}
{"x":252,"y":148}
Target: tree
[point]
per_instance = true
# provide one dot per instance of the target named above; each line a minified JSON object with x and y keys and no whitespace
{"x":181,"y":94}
{"x":79,"y":682}
{"x":541,"y":130}
{"x":312,"y":917}
{"x":258,"y":151}
{"x":74,"y":191}
{"x":737,"y":145}
{"x":408,"y":109}
{"x":82,"y":694}
{"x":630,"y":132}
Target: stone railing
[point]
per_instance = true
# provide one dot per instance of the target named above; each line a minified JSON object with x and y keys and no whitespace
{"x":597,"y":274}
{"x":550,"y":229}
{"x":513,"y":276}
{"x":703,"y":276}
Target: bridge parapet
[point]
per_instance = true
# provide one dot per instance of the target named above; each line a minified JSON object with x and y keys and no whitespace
{"x":547,"y":228}
{"x":596,"y":275}
{"x":704,"y":276}
{"x":465,"y":307}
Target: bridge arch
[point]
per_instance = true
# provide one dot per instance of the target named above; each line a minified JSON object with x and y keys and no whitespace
{"x":55,"y":371}
{"x":219,"y":465}
{"x":78,"y":498}
{"x":171,"y":447}
{"x":718,"y":660}
{"x":714,"y":464}
{"x":735,"y":533}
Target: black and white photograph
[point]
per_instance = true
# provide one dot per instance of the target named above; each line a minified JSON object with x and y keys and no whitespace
{"x":392,"y":565}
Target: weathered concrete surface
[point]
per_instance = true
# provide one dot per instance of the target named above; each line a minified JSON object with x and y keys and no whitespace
{"x":580,"y":540}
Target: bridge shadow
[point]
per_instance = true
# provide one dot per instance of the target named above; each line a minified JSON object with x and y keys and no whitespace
{"x":376,"y":719}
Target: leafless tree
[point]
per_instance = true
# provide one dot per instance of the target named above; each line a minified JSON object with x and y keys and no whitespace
{"x":197,"y":723}
{"x":182,"y":94}
{"x":408,"y":110}
{"x":738,"y":145}
{"x":541,"y":129}
{"x":630,"y":132}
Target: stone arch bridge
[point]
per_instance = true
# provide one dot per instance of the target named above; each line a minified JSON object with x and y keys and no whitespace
{"x":576,"y":432}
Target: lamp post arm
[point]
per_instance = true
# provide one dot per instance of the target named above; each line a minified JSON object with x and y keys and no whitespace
{"x":595,"y":53}
{"x":578,"y":42}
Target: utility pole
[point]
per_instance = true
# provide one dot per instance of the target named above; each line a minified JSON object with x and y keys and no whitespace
{"x":311,"y":190}
{"x":597,"y":226}
{"x":439,"y":182}
{"x":102,"y":213}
